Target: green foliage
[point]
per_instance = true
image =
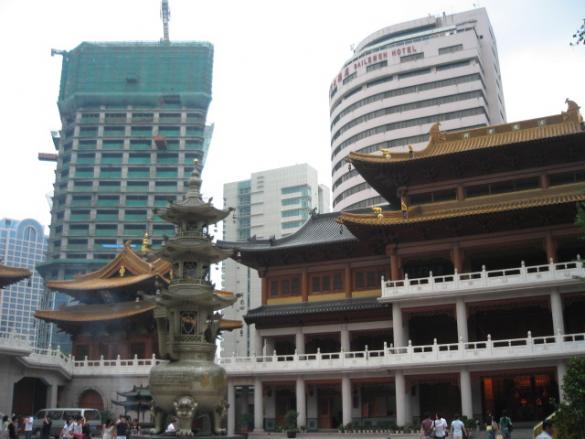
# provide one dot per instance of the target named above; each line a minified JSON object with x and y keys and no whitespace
{"x":570,"y":418}
{"x":290,"y":419}
{"x":106,"y":416}
{"x":470,"y":424}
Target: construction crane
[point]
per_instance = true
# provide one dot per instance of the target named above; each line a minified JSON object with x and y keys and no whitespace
{"x":165,"y":14}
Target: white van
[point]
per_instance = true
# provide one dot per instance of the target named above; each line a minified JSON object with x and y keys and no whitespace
{"x":60,"y":415}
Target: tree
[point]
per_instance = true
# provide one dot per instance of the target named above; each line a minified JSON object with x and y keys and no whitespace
{"x":579,"y":35}
{"x":570,"y":418}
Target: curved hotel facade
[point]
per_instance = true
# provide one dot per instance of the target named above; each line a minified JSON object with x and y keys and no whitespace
{"x":400,"y":81}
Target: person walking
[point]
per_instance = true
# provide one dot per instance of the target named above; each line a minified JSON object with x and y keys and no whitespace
{"x":505,"y":425}
{"x":426,"y":427}
{"x":458,"y":428}
{"x":108,"y":430}
{"x":440,"y":427}
{"x":547,"y":430}
{"x":12,"y":433}
{"x":46,"y":428}
{"x":491,"y":426}
{"x":121,"y":428}
{"x":85,"y":429}
{"x":28,"y":427}
{"x":76,"y":428}
{"x":4,"y":427}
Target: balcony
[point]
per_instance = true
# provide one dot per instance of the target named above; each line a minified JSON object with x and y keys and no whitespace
{"x":479,"y":282}
{"x":488,"y":352}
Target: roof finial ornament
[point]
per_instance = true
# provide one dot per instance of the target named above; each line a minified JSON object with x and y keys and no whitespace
{"x":404,"y":205}
{"x":572,"y":112}
{"x":386,"y":153}
{"x":435,"y":134}
{"x":146,"y":243}
{"x":378,"y":212}
{"x":410,"y":152}
{"x":122,"y":271}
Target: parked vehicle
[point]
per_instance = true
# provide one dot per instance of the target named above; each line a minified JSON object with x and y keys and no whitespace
{"x":60,"y":415}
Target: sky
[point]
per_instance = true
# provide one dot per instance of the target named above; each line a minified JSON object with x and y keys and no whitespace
{"x":274,"y":61}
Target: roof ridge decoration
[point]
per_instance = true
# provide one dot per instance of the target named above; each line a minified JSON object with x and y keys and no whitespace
{"x":442,"y":143}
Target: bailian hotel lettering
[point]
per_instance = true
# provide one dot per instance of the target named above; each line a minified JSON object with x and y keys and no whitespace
{"x":371,"y":59}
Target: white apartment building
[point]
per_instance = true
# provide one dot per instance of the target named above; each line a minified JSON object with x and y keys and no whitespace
{"x":402,"y":79}
{"x":272,"y":203}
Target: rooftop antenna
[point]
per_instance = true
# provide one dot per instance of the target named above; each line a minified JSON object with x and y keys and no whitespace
{"x":165,"y":14}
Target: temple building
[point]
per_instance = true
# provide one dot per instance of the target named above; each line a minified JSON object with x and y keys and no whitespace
{"x":462,"y":296}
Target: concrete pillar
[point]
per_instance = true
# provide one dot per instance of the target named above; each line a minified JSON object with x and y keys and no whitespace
{"x":345,"y":342}
{"x":461,"y":313}
{"x":52,"y":392}
{"x":300,"y":341}
{"x":397,"y":325}
{"x":465,"y":386}
{"x":301,"y":403}
{"x":345,"y":400}
{"x":258,"y":406}
{"x":561,"y":372}
{"x":556,"y":307}
{"x":257,"y":343}
{"x":400,"y":386}
{"x":231,"y":414}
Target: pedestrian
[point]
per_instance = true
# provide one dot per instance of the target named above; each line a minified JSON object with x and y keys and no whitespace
{"x":426,"y":426}
{"x":46,"y":428}
{"x":12,"y":433}
{"x":108,"y":430}
{"x":440,"y":427}
{"x":491,"y":427}
{"x":85,"y":429}
{"x":506,"y":425}
{"x":76,"y":428}
{"x":28,"y":427}
{"x":121,"y":428}
{"x":4,"y":427}
{"x":458,"y":428}
{"x":547,"y":430}
{"x":66,"y":430}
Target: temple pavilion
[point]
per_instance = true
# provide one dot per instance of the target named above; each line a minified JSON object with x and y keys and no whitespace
{"x":462,"y":294}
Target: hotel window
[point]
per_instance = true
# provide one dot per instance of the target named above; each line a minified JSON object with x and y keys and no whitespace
{"x":450,"y":49}
{"x":327,"y":282}
{"x":349,"y":78}
{"x":412,"y":57}
{"x":378,"y":65}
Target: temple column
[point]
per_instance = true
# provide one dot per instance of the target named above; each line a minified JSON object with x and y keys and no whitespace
{"x":465,"y":387}
{"x":348,"y":285}
{"x":550,"y":246}
{"x":300,"y":341}
{"x":301,"y":403}
{"x":400,"y":386}
{"x":264,"y":288}
{"x":52,"y":394}
{"x":561,"y":372}
{"x":397,"y":325}
{"x":305,"y":285}
{"x":258,"y":343}
{"x":231,"y":414}
{"x":345,"y":400}
{"x":345,"y":343}
{"x":461,"y":313}
{"x":556,"y":308}
{"x":394,"y":263}
{"x":258,"y":406}
{"x":457,"y":258}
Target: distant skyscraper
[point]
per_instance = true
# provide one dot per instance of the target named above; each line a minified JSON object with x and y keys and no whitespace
{"x":23,"y":244}
{"x":133,"y":119}
{"x":400,"y":81}
{"x":272,"y":203}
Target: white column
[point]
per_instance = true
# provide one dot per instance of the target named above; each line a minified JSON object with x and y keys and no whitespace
{"x":461,"y":313}
{"x":258,"y":343}
{"x":556,"y":307}
{"x":397,"y":325}
{"x":561,"y":371}
{"x":258,"y":406}
{"x":465,"y":386}
{"x":400,"y":385}
{"x":345,"y":344}
{"x":345,"y":400}
{"x":231,"y":414}
{"x":300,"y":342}
{"x":52,"y":392}
{"x":301,"y":403}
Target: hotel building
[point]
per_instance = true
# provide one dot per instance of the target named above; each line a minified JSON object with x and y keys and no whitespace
{"x":401,"y":80}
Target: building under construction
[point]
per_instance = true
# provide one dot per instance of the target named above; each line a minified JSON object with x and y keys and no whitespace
{"x":133,"y":120}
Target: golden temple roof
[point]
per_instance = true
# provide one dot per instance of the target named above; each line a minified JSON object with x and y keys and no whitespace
{"x":10,"y":275}
{"x":440,"y":143}
{"x":229,"y":325}
{"x":96,"y":312}
{"x":126,"y":269}
{"x":468,"y":207}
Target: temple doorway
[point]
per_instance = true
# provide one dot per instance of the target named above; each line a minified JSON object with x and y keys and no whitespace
{"x":30,"y":396}
{"x":328,"y":407}
{"x":90,"y":399}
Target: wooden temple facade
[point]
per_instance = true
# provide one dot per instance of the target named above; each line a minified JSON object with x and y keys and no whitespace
{"x":477,"y":247}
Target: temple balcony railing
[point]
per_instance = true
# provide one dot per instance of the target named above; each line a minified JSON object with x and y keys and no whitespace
{"x":14,"y":344}
{"x":488,"y":352}
{"x":118,"y":366}
{"x":522,"y":277}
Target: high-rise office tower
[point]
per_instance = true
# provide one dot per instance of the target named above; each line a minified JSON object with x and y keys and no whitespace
{"x":23,"y":244}
{"x":133,"y":118}
{"x":271,"y":204}
{"x":400,"y":81}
